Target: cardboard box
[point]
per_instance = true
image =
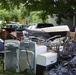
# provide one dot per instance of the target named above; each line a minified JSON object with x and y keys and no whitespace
{"x":73,"y":35}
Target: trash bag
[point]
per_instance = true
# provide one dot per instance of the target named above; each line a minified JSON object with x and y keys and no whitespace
{"x":62,"y":69}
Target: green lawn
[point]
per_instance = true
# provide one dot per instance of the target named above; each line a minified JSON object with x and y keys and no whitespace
{"x":11,"y":73}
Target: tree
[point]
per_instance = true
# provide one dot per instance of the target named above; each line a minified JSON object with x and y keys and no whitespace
{"x":62,"y":8}
{"x":15,"y":14}
{"x":50,"y":6}
{"x":36,"y":16}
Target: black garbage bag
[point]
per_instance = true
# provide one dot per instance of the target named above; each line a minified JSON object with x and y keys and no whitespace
{"x":61,"y":69}
{"x":73,"y":62}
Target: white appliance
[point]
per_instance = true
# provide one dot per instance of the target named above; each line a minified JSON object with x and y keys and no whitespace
{"x":47,"y":58}
{"x":28,"y":55}
{"x":11,"y":55}
{"x":44,"y":61}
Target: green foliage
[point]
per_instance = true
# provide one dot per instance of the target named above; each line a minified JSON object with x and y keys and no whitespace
{"x":51,"y":6}
{"x":16,"y":14}
{"x":3,"y":13}
{"x":20,"y":14}
{"x":35,"y":17}
{"x":59,"y":7}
